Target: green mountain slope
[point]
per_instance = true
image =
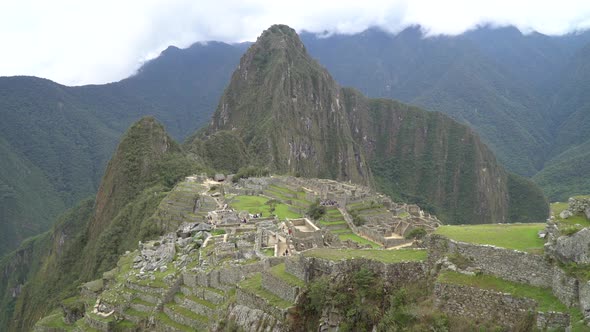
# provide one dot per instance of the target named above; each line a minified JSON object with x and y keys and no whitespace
{"x":88,"y":240}
{"x":64,"y":135}
{"x":293,"y":118}
{"x":28,"y":202}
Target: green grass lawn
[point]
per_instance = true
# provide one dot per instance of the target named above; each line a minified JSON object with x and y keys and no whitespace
{"x":385,"y":256}
{"x":512,"y":236}
{"x":257,"y":204}
{"x":358,"y":239}
{"x":544,"y":297}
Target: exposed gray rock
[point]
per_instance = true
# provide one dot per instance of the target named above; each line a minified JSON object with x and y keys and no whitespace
{"x":253,"y":320}
{"x":565,"y":214}
{"x":574,"y":248}
{"x":585,"y":299}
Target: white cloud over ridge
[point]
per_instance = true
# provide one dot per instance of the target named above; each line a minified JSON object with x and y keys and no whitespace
{"x":82,"y":42}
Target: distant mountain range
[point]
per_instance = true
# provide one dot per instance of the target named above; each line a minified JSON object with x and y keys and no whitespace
{"x":283,"y":112}
{"x":524,"y":94}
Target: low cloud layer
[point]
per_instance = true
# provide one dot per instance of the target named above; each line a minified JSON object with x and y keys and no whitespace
{"x":82,"y":42}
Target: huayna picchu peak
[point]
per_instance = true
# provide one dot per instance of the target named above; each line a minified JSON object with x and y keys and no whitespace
{"x":302,"y":205}
{"x":292,"y":117}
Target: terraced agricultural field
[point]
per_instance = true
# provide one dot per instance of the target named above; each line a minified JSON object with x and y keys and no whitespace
{"x":257,"y":204}
{"x":521,"y":237}
{"x":547,"y":301}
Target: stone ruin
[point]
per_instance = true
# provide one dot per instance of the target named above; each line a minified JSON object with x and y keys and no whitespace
{"x":304,"y":234}
{"x":155,"y":255}
{"x":577,"y":206}
{"x":223,"y":217}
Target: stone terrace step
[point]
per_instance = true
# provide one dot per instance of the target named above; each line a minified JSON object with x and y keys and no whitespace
{"x":146,"y":289}
{"x":134,"y":315}
{"x":281,"y":283}
{"x":212,"y":295}
{"x":147,"y":297}
{"x":186,"y":317}
{"x":335,"y":226}
{"x":98,"y":323}
{"x":195,"y":304}
{"x":141,"y":305}
{"x":342,"y":231}
{"x":165,"y":324}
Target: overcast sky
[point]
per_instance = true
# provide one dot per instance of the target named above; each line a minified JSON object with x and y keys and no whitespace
{"x":77,"y":42}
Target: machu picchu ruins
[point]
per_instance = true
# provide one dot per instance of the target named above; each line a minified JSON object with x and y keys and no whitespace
{"x":246,"y":253}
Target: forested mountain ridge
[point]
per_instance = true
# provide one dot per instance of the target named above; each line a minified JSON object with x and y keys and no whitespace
{"x":88,"y":239}
{"x":289,"y":115}
{"x":58,"y":139}
{"x":517,"y":91}
{"x":422,"y":151}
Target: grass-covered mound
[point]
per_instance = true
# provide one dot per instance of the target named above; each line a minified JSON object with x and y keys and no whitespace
{"x":521,"y":237}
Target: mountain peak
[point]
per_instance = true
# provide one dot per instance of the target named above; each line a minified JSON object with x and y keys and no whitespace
{"x":279,"y":33}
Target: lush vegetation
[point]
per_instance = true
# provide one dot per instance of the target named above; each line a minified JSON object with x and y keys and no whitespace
{"x":145,"y":166}
{"x":385,"y":256}
{"x":368,"y":307}
{"x":315,"y":210}
{"x":512,"y":236}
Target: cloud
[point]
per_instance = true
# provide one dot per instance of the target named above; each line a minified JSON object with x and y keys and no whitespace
{"x":81,"y":42}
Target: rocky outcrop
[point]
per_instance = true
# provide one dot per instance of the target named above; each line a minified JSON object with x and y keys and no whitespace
{"x":253,"y":320}
{"x":574,"y":248}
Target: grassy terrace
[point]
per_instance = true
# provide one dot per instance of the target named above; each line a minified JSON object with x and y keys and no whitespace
{"x":187,"y":313}
{"x":521,"y":237}
{"x":254,"y":285}
{"x":257,"y":204}
{"x":360,"y":240}
{"x":558,"y":207}
{"x":544,"y":297}
{"x":55,"y":320}
{"x":385,"y":256}
{"x":162,"y":317}
{"x":279,"y":272}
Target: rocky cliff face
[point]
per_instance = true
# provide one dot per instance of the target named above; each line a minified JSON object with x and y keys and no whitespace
{"x":294,"y":118}
{"x":429,"y":156}
{"x":288,"y":111}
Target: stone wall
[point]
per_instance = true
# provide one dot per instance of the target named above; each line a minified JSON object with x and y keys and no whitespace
{"x":253,"y":301}
{"x":507,"y":264}
{"x":295,"y":265}
{"x":578,"y":205}
{"x":584,"y":299}
{"x":482,"y":304}
{"x":279,"y":287}
{"x":488,"y":305}
{"x":394,"y":275}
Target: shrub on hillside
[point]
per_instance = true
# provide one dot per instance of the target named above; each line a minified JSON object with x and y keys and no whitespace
{"x":416,"y":233}
{"x":315,"y":210}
